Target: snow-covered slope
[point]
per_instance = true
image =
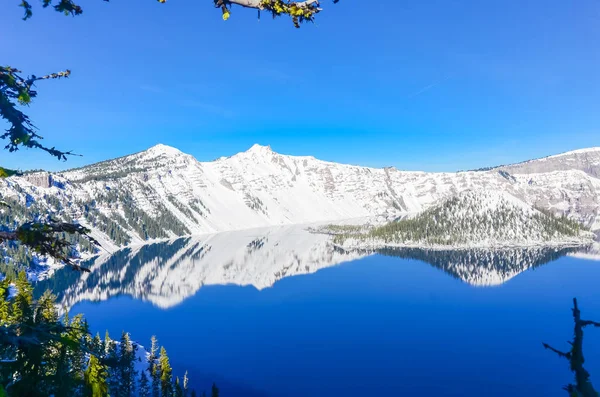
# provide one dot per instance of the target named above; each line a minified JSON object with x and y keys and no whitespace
{"x":586,"y":160}
{"x":163,"y":193}
{"x":477,"y":218}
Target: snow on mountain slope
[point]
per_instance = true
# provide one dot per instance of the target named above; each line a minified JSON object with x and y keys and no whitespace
{"x":476,"y":218}
{"x":586,"y":160}
{"x":164,"y":193}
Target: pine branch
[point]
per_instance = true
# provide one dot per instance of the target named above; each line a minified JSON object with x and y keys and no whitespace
{"x":43,"y":239}
{"x":15,"y":89}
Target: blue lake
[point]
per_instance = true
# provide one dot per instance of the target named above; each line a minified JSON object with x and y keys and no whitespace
{"x":375,"y":325}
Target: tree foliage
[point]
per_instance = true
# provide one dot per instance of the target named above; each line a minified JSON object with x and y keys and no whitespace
{"x":42,"y":237}
{"x":50,"y":355}
{"x":464,"y":219}
{"x":299,"y":11}
{"x":17,"y":90}
{"x":41,"y":353}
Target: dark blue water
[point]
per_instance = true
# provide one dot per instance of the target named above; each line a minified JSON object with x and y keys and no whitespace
{"x":380,"y":326}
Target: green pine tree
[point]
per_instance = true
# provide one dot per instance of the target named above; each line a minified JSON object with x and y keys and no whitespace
{"x":144,"y":385}
{"x":178,"y":388}
{"x":215,"y":391}
{"x":95,"y":379}
{"x":28,"y":357}
{"x":4,"y":302}
{"x":127,"y":366}
{"x":166,"y":382}
{"x":112,"y":359}
{"x":97,"y":345}
{"x":46,"y":311}
{"x":22,"y":311}
{"x":154,"y":367}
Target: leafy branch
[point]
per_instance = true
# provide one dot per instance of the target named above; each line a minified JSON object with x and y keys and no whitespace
{"x":17,"y":90}
{"x":42,"y":237}
{"x":300,"y":11}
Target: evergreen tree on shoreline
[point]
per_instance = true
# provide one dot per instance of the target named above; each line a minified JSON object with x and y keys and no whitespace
{"x":153,"y":367}
{"x":127,"y":373}
{"x":95,"y":379}
{"x":144,"y":385}
{"x":166,"y":376}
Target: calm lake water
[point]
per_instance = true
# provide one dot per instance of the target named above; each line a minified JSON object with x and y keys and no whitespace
{"x":281,"y":313}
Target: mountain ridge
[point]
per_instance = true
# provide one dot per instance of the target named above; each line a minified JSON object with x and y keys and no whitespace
{"x":164,"y":193}
{"x":258,"y":148}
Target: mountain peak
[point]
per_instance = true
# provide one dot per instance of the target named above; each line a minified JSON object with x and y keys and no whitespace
{"x":163,"y":149}
{"x":257,"y":148}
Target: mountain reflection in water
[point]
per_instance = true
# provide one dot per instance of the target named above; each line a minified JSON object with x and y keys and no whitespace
{"x":166,"y":273}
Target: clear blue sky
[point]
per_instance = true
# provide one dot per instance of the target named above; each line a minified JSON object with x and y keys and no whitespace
{"x":437,"y":85}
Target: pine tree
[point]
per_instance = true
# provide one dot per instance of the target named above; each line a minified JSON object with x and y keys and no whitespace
{"x":144,"y":385}
{"x":29,"y":358}
{"x":107,"y":343}
{"x":193,"y":393}
{"x":61,"y":367}
{"x":215,"y":391}
{"x":186,"y":381}
{"x":45,"y":311}
{"x":166,"y":383}
{"x":154,"y":367}
{"x":178,"y":388}
{"x":72,"y":359}
{"x":95,"y":379}
{"x":127,"y":366}
{"x":4,"y":302}
{"x":22,"y":311}
{"x":112,"y":358}
{"x":98,"y":346}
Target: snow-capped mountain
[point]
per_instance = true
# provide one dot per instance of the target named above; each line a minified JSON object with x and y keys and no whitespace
{"x":164,"y":193}
{"x":473,"y":218}
{"x":166,"y":273}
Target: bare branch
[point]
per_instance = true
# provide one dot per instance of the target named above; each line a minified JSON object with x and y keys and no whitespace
{"x":588,"y":322}
{"x":582,"y":387}
{"x":561,"y":354}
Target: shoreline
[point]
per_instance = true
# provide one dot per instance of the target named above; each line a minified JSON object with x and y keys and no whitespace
{"x":465,"y":247}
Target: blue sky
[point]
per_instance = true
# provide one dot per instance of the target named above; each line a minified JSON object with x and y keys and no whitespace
{"x":436,"y":85}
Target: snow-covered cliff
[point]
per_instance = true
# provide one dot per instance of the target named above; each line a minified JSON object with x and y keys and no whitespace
{"x":163,"y":193}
